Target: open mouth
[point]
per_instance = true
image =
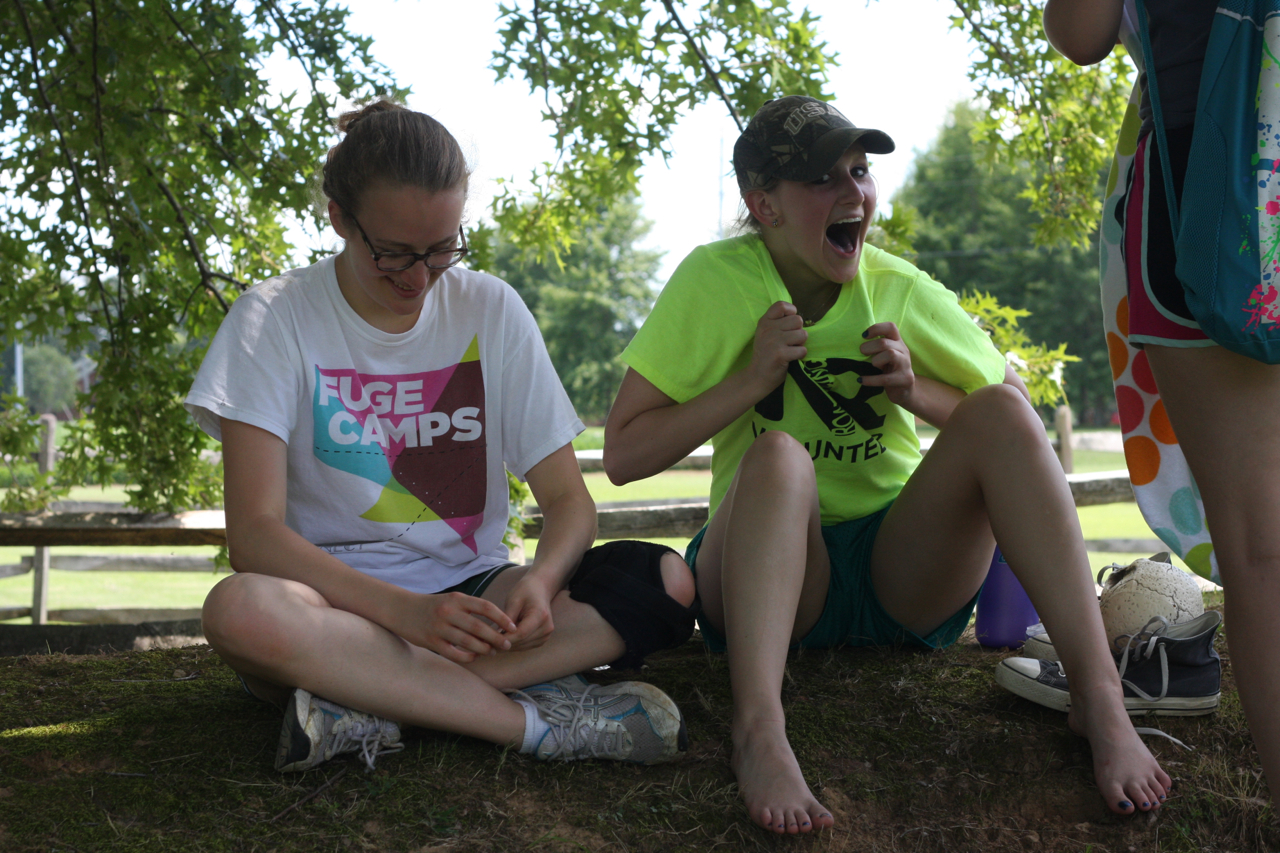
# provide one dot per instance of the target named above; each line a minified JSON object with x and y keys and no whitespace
{"x":843,"y":235}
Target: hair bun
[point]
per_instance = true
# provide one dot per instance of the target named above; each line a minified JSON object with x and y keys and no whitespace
{"x":348,"y":120}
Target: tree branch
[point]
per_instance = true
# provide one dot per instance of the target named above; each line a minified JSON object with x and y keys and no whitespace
{"x":290,"y":38}
{"x":173,"y":19}
{"x":1010,"y":62}
{"x":206,"y":274}
{"x":702,"y":57}
{"x":53,"y":20}
{"x":71,"y":163}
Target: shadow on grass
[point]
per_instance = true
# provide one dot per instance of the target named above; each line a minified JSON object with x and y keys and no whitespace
{"x":161,"y":750}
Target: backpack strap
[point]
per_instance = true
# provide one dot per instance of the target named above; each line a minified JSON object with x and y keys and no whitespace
{"x":1157,"y":114}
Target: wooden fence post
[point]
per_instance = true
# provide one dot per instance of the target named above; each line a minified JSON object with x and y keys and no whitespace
{"x":40,"y":592}
{"x":1062,"y":423}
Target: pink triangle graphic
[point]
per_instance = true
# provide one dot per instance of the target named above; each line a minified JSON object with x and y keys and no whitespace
{"x":465,"y":527}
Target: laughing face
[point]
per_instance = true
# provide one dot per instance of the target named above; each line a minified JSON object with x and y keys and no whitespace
{"x":395,"y":219}
{"x":822,"y":224}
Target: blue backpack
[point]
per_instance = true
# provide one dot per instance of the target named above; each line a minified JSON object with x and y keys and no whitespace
{"x":1227,"y":234}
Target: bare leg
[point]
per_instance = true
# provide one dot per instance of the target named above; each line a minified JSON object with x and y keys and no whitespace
{"x":992,"y":469}
{"x":582,"y":638}
{"x":284,"y":633}
{"x":1225,"y":409}
{"x":281,"y":634}
{"x":763,"y":576}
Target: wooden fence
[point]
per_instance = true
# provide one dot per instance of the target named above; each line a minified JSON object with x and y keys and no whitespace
{"x":649,"y":520}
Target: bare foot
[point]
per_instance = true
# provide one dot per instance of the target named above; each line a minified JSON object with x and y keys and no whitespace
{"x":1127,"y":774}
{"x":771,"y":783}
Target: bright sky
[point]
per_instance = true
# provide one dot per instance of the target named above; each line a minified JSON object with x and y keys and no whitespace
{"x":901,"y":69}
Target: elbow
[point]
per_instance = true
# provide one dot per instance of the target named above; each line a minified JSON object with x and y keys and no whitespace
{"x":616,"y":469}
{"x":1084,"y":55}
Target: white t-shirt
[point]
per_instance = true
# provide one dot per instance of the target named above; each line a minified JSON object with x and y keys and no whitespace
{"x":397,"y":442}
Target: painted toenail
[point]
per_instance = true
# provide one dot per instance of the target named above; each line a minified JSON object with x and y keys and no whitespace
{"x":1125,"y":804}
{"x":1146,"y":805}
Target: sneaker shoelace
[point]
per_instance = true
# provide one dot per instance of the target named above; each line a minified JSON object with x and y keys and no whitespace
{"x":570,"y":720}
{"x":366,"y":734}
{"x":1141,"y":646}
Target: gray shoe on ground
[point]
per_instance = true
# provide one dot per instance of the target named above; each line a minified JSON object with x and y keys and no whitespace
{"x":628,"y":721}
{"x":316,"y":730}
{"x":1168,"y":671}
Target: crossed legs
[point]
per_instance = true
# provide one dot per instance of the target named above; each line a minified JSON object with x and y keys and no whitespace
{"x":281,"y":634}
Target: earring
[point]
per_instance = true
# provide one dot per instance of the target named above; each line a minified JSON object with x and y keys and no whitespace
{"x":775,"y":222}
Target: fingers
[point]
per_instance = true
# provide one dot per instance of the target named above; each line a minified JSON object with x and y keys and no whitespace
{"x":469,"y":623}
{"x":883,"y":330}
{"x":779,"y":310}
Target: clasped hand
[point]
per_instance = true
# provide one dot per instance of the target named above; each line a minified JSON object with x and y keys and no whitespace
{"x":888,"y":352}
{"x":780,"y":339}
{"x":462,"y":627}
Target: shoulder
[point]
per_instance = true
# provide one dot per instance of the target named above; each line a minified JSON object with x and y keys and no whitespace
{"x":877,"y":264}
{"x":469,"y":290}
{"x":745,"y":254}
{"x":282,"y":293}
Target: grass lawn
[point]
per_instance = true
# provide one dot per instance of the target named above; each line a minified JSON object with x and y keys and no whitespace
{"x":162,"y":751}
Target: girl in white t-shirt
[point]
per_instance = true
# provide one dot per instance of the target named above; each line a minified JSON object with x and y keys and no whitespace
{"x":369,"y":407}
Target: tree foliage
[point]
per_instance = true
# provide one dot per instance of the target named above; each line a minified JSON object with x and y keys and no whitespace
{"x":48,"y":378}
{"x":614,"y":78}
{"x":150,"y":174}
{"x":1045,"y":111}
{"x":974,"y":232}
{"x":590,"y":304}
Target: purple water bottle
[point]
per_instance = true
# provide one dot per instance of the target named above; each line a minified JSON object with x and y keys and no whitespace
{"x":1004,"y":611}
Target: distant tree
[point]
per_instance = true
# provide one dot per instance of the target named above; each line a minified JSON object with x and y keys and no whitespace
{"x":150,"y":174}
{"x":591,"y":302}
{"x":974,"y":231}
{"x":49,"y":378}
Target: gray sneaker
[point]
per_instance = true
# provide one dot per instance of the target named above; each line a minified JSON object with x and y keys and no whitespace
{"x":316,"y":730}
{"x":628,"y":721}
{"x":1164,"y":670}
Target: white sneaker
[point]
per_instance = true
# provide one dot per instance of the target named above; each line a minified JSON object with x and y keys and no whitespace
{"x":628,"y":721}
{"x":316,"y":730}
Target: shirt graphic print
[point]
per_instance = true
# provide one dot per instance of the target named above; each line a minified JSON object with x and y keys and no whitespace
{"x":420,"y":436}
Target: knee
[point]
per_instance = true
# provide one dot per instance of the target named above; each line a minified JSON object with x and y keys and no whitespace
{"x":998,"y":412}
{"x":644,"y":591}
{"x":241,"y":615}
{"x":678,"y":579}
{"x":778,"y":458}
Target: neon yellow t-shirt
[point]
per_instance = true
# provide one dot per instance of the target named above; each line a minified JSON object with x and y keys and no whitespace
{"x":863,"y":447}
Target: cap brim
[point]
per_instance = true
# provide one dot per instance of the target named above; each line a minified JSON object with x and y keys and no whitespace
{"x":832,"y":146}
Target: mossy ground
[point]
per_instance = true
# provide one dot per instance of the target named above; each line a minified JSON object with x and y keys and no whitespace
{"x":911,"y":751}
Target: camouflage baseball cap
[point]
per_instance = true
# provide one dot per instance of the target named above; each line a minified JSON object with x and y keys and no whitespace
{"x":798,"y":138}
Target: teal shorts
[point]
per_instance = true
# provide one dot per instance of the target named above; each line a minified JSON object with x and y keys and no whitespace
{"x":853,"y":616}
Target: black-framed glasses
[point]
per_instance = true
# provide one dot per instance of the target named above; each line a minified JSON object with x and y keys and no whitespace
{"x":440,"y":259}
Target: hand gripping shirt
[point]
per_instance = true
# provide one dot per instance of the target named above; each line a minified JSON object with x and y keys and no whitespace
{"x":397,"y":443}
{"x":863,"y":447}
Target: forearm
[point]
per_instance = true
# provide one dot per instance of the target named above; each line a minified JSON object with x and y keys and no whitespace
{"x":1083,"y":31}
{"x":265,"y":545}
{"x":932,"y":401}
{"x":568,"y":530}
{"x":656,"y":439}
